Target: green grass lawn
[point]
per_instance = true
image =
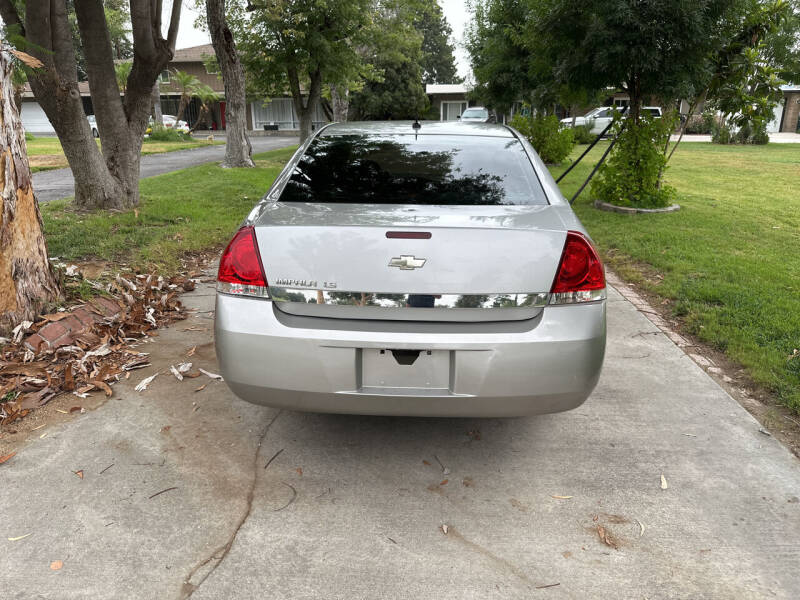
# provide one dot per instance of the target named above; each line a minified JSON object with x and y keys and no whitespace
{"x":186,"y":211}
{"x":730,"y":258}
{"x":46,"y":153}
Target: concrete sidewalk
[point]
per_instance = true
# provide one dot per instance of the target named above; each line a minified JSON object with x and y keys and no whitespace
{"x":353,"y":507}
{"x":58,"y":183}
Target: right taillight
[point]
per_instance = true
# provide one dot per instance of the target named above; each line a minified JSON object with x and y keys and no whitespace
{"x":580,"y":276}
{"x":240,"y":270}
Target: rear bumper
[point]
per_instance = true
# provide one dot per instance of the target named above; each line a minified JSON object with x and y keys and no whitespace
{"x":547,"y":364}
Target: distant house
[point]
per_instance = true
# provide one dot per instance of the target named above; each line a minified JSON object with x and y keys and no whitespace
{"x":448,"y":100}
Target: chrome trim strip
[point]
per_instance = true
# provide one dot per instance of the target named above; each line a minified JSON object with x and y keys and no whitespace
{"x":438,"y":301}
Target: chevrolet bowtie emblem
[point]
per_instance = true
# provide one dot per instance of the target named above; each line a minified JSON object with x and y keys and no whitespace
{"x":406,"y":263}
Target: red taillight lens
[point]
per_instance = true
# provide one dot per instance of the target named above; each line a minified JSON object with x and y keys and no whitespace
{"x":580,"y":276}
{"x":240,"y":269}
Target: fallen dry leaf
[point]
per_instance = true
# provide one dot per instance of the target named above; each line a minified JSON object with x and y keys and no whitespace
{"x":192,"y":351}
{"x":561,"y":497}
{"x":443,"y":482}
{"x":79,"y":473}
{"x":209,"y":374}
{"x":18,"y":538}
{"x":664,"y":484}
{"x":444,"y":528}
{"x":7,"y":457}
{"x":425,"y":462}
{"x":201,"y":388}
{"x":142,"y":385}
{"x":56,"y":565}
{"x":175,"y":372}
{"x":607,"y":537}
{"x":103,"y":386}
{"x":299,"y":471}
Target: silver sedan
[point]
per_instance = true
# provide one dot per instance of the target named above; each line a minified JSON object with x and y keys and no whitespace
{"x":406,"y":269}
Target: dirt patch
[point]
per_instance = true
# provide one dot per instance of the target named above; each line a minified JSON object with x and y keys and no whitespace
{"x":52,"y":161}
{"x":776,"y":419}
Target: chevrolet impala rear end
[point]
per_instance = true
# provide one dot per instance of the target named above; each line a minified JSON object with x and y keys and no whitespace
{"x":398,"y":269}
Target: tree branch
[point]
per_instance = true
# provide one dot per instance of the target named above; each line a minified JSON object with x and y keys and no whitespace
{"x":141,"y":24}
{"x":174,"y":21}
{"x":9,"y":14}
{"x":63,"y":48}
{"x":100,"y":66}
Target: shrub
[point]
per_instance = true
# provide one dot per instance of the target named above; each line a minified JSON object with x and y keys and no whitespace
{"x":167,"y":134}
{"x":546,"y":135}
{"x":29,"y":136}
{"x":699,"y":124}
{"x":632,"y":175}
{"x":723,"y":133}
{"x":583,"y":133}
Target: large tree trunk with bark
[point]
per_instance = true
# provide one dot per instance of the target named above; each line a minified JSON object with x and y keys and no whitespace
{"x":340,"y":102}
{"x":109,"y":179}
{"x":305,"y":109}
{"x":238,"y":151}
{"x":27,"y":283}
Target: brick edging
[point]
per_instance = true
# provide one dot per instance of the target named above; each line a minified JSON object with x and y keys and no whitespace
{"x":63,"y":332}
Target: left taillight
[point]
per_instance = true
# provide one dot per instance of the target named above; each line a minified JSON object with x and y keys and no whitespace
{"x":240,"y":270}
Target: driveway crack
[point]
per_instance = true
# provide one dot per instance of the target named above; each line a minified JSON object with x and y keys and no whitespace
{"x":188,"y":588}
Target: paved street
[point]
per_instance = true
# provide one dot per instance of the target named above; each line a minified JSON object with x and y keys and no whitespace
{"x":58,"y":183}
{"x":353,"y":507}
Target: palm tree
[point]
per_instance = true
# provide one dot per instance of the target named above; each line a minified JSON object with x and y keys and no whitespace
{"x":123,"y":70}
{"x":206,"y":96}
{"x":188,"y":85}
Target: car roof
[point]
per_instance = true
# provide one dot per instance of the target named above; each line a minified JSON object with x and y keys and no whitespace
{"x":426,"y":127}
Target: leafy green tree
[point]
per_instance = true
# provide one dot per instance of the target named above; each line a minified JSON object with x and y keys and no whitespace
{"x":438,"y":59}
{"x":300,"y":45}
{"x":395,"y":90}
{"x":501,"y":62}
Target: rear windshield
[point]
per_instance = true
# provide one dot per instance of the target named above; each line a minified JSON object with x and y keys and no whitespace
{"x":475,"y":113}
{"x":414,"y":169}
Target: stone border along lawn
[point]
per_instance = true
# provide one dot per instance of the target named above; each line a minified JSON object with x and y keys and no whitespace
{"x":727,"y":264}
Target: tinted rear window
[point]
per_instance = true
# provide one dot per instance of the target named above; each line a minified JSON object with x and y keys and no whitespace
{"x":409,"y":169}
{"x":475,"y":113}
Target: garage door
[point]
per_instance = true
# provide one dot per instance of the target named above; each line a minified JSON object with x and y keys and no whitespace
{"x":33,"y":118}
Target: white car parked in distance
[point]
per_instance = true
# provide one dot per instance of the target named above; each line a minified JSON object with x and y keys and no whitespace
{"x":600,"y":117}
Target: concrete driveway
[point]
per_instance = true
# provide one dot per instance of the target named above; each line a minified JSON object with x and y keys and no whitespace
{"x":197,"y":493}
{"x":58,"y":183}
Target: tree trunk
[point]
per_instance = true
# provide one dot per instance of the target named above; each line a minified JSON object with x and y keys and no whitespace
{"x":158,"y":116}
{"x":238,"y":151}
{"x":27,"y":283}
{"x":305,"y":110}
{"x":182,"y":107}
{"x":340,"y":99}
{"x":110,"y":179}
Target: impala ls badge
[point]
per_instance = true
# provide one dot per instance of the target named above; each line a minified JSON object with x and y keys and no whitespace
{"x":406,"y":263}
